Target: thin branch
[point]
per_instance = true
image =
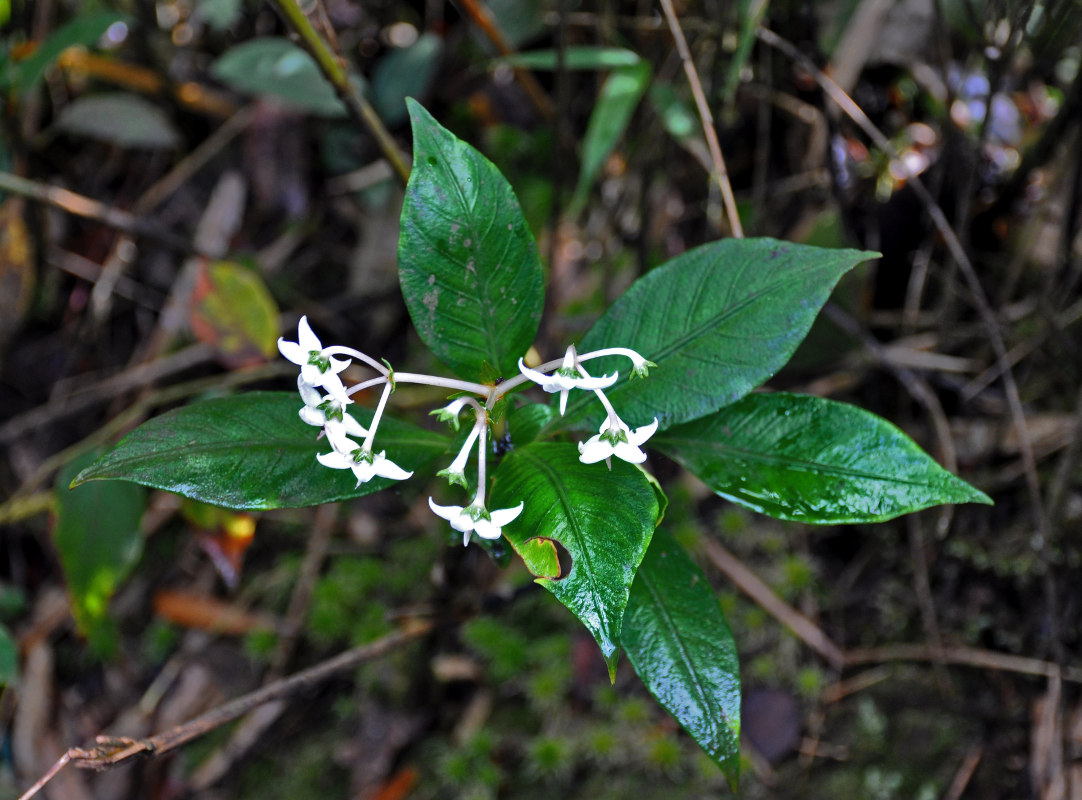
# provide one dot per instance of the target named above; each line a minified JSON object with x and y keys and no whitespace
{"x":962,"y":656}
{"x":113,"y":751}
{"x":749,"y":583}
{"x":980,"y":301}
{"x":88,"y":208}
{"x":336,"y":73}
{"x":720,"y":171}
{"x":480,"y":16}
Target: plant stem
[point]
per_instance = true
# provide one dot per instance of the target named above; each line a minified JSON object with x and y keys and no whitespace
{"x":336,"y":73}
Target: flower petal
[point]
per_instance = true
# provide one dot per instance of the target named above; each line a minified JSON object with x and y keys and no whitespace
{"x":385,"y":468}
{"x":628,"y":452}
{"x":594,"y":449}
{"x":447,"y":512}
{"x":335,"y":460}
{"x":292,"y":351}
{"x":313,"y":416}
{"x":502,"y":516}
{"x":486,"y":529}
{"x":307,"y":340}
{"x":640,"y":435}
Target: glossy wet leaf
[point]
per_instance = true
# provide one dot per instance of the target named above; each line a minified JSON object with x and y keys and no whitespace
{"x":97,"y":537}
{"x":252,"y":451}
{"x":277,"y":68}
{"x":603,"y":519}
{"x":469,"y":267}
{"x":718,"y":320}
{"x":812,"y":460}
{"x":125,"y":120}
{"x":616,"y":102}
{"x":680,"y":645}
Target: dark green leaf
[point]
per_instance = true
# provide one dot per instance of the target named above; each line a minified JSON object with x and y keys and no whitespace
{"x":524,"y":423}
{"x":604,"y":519}
{"x":278,"y":68}
{"x":576,"y":58}
{"x":126,"y":120}
{"x":468,"y":264}
{"x":84,"y":30}
{"x":679,"y":644}
{"x":812,"y":460}
{"x":97,"y":536}
{"x":718,"y":321}
{"x":252,"y":451}
{"x":405,"y":72}
{"x":620,"y":95}
{"x":9,"y":658}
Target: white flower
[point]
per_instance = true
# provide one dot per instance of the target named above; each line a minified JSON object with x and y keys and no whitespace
{"x":486,"y":524}
{"x":640,"y":367}
{"x":329,"y":412}
{"x":449,"y":413}
{"x":317,"y":369}
{"x":566,"y":378}
{"x":615,"y":439}
{"x":364,"y":463}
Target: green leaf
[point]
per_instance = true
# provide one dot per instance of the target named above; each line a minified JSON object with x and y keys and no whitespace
{"x":126,"y":120}
{"x":233,"y":310}
{"x":97,"y":536}
{"x":575,"y":58}
{"x":717,"y":320}
{"x":405,"y":72}
{"x":470,"y":273}
{"x":84,"y":30}
{"x":9,"y":658}
{"x":604,"y":519}
{"x":252,"y":451}
{"x":812,"y":460}
{"x":278,"y":68}
{"x":523,"y":424}
{"x":679,"y":644}
{"x":751,"y":14}
{"x":220,"y":15}
{"x":620,"y":95}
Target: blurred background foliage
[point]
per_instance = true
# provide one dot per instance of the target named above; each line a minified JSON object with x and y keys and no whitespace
{"x":179,"y":184}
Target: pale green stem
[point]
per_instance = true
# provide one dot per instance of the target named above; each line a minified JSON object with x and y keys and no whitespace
{"x":339,"y":350}
{"x":336,"y":73}
{"x":367,"y":445}
{"x":482,"y":453}
{"x":446,"y":383}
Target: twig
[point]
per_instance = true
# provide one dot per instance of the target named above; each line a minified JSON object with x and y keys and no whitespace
{"x":980,"y":300}
{"x":720,"y":172}
{"x":962,"y":656}
{"x":480,"y":16}
{"x":336,"y":73}
{"x":88,"y":208}
{"x":749,"y":583}
{"x":105,"y":389}
{"x":113,"y":751}
{"x":22,"y":503}
{"x":39,"y":784}
{"x":965,"y":772}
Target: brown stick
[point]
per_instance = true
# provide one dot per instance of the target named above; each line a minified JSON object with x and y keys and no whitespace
{"x":962,"y":656}
{"x":480,"y":16}
{"x":720,"y":171}
{"x":114,"y":751}
{"x":749,"y":583}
